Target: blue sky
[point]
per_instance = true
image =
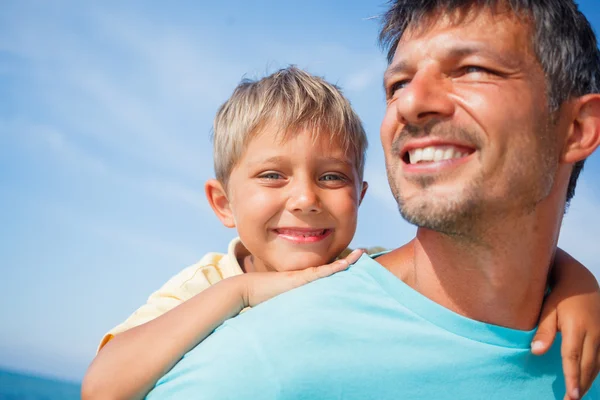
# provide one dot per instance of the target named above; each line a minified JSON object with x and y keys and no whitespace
{"x":105,"y":115}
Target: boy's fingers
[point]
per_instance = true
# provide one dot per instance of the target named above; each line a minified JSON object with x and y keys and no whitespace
{"x":334,"y":267}
{"x":354,"y":256}
{"x":546,"y":332}
{"x":323,"y":271}
{"x":338,"y":265}
{"x":311,"y":274}
{"x":571,"y":348}
{"x":589,"y":363}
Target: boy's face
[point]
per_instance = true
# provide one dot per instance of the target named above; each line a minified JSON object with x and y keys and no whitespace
{"x":294,"y":203}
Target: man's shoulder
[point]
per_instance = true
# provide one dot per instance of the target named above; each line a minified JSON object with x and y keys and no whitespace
{"x":225,"y":365}
{"x":594,"y":392}
{"x":338,"y":294}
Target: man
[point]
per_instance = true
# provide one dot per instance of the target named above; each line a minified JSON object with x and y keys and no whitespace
{"x":492,"y":106}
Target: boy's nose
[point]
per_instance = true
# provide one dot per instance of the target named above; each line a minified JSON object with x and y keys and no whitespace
{"x":304,"y":199}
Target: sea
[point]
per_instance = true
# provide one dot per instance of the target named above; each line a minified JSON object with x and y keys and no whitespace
{"x":20,"y":386}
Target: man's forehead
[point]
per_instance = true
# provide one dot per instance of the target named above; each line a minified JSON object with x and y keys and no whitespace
{"x":489,"y":19}
{"x":461,"y":34}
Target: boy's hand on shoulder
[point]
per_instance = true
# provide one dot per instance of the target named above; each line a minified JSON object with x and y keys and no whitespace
{"x":257,"y":287}
{"x":578,"y":319}
{"x":573,"y":308}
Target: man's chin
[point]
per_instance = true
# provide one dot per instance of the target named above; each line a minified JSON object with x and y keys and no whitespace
{"x":444,"y":216}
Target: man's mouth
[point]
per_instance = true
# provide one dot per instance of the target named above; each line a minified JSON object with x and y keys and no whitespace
{"x":434,"y":154}
{"x":303,"y":235}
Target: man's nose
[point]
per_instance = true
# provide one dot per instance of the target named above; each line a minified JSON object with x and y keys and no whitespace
{"x":304,"y":198}
{"x":424,"y":98}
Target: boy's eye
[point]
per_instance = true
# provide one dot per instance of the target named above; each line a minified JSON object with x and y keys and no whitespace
{"x":332,"y":177}
{"x":270,"y":175}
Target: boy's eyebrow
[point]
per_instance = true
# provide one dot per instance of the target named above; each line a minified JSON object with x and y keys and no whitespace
{"x":336,"y":160}
{"x":269,"y":160}
{"x":280,"y":159}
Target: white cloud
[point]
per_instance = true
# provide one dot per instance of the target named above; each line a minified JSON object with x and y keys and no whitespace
{"x":44,"y":141}
{"x":366,"y":78}
{"x":109,"y":230}
{"x":178,"y":193}
{"x":48,"y":143}
{"x":157,"y":106}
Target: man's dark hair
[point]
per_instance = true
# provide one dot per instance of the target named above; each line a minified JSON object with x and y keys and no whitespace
{"x":563,"y":41}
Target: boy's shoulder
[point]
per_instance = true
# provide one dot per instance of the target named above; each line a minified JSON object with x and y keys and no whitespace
{"x":214,"y":266}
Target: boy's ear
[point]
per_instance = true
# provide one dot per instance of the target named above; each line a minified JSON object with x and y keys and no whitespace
{"x":363,"y":191}
{"x":584,"y":136}
{"x":217,"y":198}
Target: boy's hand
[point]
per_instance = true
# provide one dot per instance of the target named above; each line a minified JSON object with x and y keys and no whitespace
{"x":573,"y":307}
{"x":258,"y":287}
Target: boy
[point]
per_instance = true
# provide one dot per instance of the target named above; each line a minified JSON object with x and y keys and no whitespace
{"x":289,"y":157}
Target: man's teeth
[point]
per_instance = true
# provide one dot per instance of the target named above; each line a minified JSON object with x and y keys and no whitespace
{"x":435,"y":153}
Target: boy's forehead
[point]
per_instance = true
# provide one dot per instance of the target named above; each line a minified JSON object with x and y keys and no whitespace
{"x":317,"y":137}
{"x":274,"y":143}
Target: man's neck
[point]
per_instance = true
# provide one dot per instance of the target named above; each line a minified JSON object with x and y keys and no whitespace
{"x":500,"y":278}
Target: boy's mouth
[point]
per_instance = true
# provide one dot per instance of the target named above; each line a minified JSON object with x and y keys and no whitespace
{"x":303,"y":235}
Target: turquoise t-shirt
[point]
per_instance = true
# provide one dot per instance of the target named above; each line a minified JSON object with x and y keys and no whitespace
{"x":363,"y":334}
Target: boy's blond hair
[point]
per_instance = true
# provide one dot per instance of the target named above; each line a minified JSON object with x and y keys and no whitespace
{"x":290,"y":100}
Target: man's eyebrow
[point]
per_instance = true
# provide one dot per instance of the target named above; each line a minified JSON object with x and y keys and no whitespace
{"x":394,"y":69}
{"x":466,"y":50}
{"x":457,"y":52}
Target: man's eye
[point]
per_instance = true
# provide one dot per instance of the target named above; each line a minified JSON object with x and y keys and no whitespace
{"x":474,"y":69}
{"x":397,"y":86}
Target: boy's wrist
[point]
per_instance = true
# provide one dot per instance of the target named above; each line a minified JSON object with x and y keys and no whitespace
{"x":239,"y":288}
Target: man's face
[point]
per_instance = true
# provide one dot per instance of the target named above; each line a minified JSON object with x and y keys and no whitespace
{"x":467,"y":130}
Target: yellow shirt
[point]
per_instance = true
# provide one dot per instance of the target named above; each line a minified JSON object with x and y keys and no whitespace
{"x":212,"y":268}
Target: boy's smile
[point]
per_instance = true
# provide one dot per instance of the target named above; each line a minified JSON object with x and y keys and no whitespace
{"x":302,"y":235}
{"x":294,"y":202}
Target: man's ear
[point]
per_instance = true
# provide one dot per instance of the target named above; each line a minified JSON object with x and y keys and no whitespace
{"x":217,"y":198}
{"x":363,"y":191}
{"x":584,"y":136}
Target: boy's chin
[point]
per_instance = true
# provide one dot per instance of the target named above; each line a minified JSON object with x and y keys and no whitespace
{"x":297,"y":262}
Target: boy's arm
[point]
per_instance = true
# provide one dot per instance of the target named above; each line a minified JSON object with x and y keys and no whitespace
{"x":181,"y":287}
{"x":133,"y":361}
{"x":129,"y":365}
{"x":572,"y":307}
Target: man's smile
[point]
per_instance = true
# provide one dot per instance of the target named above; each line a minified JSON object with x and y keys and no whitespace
{"x":428,"y":154}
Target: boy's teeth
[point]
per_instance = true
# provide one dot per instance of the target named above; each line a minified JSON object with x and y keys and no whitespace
{"x":434,"y":154}
{"x":302,"y":233}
